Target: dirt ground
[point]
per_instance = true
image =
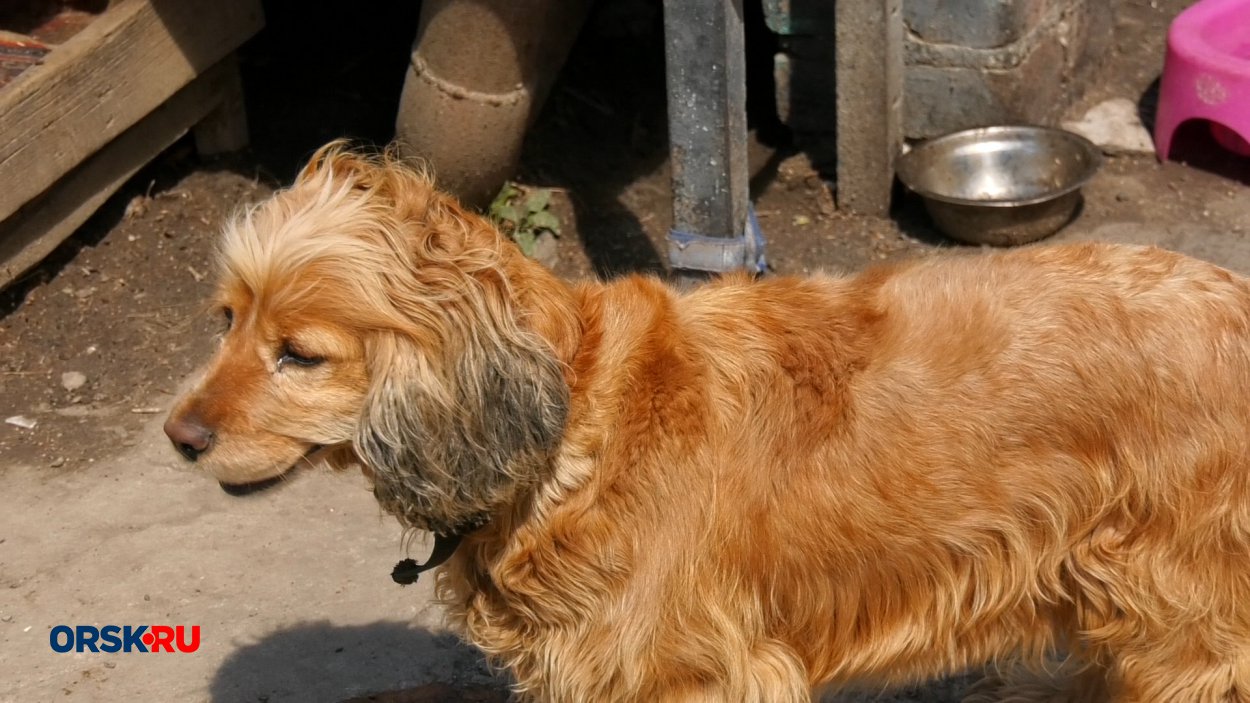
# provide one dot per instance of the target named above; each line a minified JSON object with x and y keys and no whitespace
{"x":104,"y":525}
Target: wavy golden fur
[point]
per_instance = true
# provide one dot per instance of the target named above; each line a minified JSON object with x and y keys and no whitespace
{"x":758,"y":489}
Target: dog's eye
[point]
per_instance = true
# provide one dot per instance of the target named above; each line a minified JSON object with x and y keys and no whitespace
{"x":291,"y":355}
{"x":229,"y":315}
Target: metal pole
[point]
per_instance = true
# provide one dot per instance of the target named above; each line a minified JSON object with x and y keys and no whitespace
{"x":706,"y":70}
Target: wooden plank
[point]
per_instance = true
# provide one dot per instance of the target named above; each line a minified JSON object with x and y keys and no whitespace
{"x":34,"y":231}
{"x":104,"y":80}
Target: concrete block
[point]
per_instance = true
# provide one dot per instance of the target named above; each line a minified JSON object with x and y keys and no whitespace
{"x":950,"y":87}
{"x":945,"y":99}
{"x":979,"y":24}
{"x":938,"y":99}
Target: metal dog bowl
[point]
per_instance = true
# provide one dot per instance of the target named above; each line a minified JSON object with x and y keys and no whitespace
{"x":1000,"y":185}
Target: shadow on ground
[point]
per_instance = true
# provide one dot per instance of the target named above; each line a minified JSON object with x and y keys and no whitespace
{"x":383,"y":662}
{"x":386,"y":662}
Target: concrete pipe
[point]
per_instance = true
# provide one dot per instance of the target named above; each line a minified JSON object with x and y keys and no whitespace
{"x":479,"y":73}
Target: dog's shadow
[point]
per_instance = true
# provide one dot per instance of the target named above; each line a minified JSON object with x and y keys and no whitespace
{"x":383,"y":662}
{"x":387,"y":662}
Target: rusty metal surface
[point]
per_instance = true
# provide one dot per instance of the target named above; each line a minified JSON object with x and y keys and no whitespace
{"x":49,"y":21}
{"x":17,"y":55}
{"x":31,"y":29}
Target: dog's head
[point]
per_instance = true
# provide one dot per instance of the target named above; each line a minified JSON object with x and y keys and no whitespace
{"x":370,"y":315}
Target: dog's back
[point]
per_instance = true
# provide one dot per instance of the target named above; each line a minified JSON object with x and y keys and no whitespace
{"x":933,"y":465}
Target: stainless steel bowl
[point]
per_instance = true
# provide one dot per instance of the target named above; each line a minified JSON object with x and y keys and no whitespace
{"x":1000,"y":185}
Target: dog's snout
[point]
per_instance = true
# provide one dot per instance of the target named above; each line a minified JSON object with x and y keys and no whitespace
{"x":190,"y":438}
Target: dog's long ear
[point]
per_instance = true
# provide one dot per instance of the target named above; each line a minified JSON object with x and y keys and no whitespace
{"x":449,"y":441}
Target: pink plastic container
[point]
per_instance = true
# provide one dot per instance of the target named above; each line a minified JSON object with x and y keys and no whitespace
{"x":1207,"y":75}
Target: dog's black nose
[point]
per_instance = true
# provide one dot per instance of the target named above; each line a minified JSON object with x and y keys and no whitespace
{"x":190,"y":438}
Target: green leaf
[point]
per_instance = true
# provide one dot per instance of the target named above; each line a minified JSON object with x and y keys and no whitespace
{"x":507,"y":194}
{"x":544,"y":220}
{"x":506,"y":213}
{"x":538,"y":200}
{"x":525,"y":239}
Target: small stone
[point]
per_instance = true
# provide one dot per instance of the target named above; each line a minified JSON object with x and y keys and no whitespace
{"x":84,"y":293}
{"x":7,"y":618}
{"x":1116,"y":126}
{"x":546,"y":250}
{"x":110,"y":665}
{"x":797,"y":171}
{"x":147,"y":597}
{"x":137,"y":207}
{"x":57,"y":462}
{"x":21,"y":421}
{"x":73,"y":380}
{"x":824,"y":200}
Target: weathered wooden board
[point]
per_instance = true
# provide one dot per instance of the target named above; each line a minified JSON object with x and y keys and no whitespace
{"x":36,"y":229}
{"x":104,"y":80}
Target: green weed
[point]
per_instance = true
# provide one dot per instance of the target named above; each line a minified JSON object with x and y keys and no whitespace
{"x":523,"y":214}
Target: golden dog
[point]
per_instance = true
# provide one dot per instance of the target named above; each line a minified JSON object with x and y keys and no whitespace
{"x":759,"y":489}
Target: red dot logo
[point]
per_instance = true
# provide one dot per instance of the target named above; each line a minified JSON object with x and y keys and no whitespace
{"x":148,"y":638}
